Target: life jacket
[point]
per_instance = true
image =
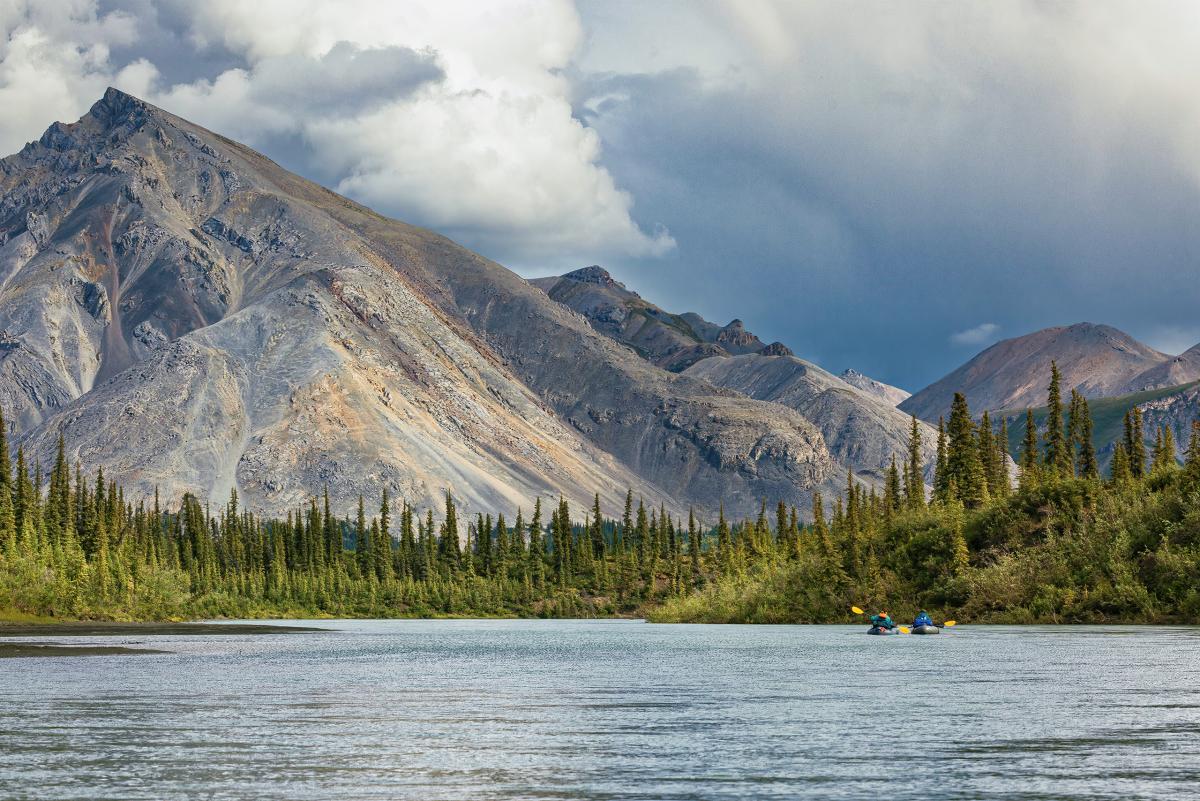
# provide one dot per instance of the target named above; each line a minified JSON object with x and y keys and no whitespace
{"x":923,"y":620}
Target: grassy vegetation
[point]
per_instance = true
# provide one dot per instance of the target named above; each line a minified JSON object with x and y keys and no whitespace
{"x":1107,"y":415}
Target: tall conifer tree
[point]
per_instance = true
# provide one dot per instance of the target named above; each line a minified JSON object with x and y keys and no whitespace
{"x":1057,"y":456}
{"x":962,"y":457}
{"x":1029,"y":450}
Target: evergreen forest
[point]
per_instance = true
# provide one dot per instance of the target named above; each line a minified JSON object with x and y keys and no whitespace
{"x":1038,"y":536}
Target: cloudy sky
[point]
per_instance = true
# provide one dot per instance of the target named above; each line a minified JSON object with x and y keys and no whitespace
{"x":880,"y":185}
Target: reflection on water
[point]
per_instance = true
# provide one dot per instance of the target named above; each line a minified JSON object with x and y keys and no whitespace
{"x":609,"y":710}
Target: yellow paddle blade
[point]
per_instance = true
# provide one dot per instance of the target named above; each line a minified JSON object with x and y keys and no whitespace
{"x":856,"y":610}
{"x":904,"y":630}
{"x":950,"y":623}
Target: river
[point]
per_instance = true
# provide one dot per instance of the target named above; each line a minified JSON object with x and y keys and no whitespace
{"x":609,"y":710}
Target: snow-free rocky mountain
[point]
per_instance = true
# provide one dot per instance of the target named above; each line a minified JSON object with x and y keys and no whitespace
{"x":1097,"y":360}
{"x":194,"y":317}
{"x":860,"y":424}
{"x":894,"y":396}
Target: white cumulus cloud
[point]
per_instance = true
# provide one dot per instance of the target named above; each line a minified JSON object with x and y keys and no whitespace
{"x":454,"y":115}
{"x":975,"y":336}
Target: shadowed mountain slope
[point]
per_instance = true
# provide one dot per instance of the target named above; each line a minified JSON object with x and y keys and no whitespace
{"x":861,"y":429}
{"x":671,"y":341}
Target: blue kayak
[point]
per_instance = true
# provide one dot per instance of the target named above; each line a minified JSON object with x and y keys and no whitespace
{"x":882,"y":631}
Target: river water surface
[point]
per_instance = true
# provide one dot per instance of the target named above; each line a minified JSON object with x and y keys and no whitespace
{"x":609,"y":710}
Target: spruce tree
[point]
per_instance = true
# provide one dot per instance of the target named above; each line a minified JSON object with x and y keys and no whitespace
{"x":1163,"y":455}
{"x":914,"y":472}
{"x":1121,"y":474}
{"x":987,"y":454}
{"x":1004,"y":482}
{"x":1135,"y":442}
{"x":724,"y":543}
{"x":627,"y":522}
{"x":962,"y":456}
{"x":1192,"y":465}
{"x":599,"y":546}
{"x":1057,"y":456}
{"x":1029,"y":451}
{"x":694,"y":547}
{"x":362,"y":542}
{"x":891,"y":492}
{"x":941,"y":475}
{"x":1089,"y":466}
{"x":5,"y":460}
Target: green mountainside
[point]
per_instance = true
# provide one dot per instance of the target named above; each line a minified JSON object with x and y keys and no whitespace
{"x":1107,"y":415}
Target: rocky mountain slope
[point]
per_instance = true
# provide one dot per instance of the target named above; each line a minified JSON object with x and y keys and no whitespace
{"x":893,"y":396}
{"x":1098,"y":360}
{"x":194,"y":317}
{"x":861,"y":429}
{"x":1177,"y":370}
{"x":671,"y":341}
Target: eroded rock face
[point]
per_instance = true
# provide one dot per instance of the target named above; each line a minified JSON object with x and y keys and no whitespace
{"x":1176,"y":412}
{"x":671,"y":341}
{"x":1181,"y":369}
{"x":861,"y":431}
{"x":893,"y":396}
{"x":193,"y":317}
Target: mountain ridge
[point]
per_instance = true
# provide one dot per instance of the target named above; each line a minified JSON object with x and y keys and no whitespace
{"x":1098,"y":360}
{"x":862,"y":429}
{"x":196,"y":318}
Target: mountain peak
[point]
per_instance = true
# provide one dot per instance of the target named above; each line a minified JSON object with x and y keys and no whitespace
{"x":776,"y":349}
{"x":894,"y":396}
{"x":1097,"y":360}
{"x":595,"y":274}
{"x":117,"y":105}
{"x":113,"y":117}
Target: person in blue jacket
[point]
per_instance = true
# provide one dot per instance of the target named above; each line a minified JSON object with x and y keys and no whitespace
{"x":882,"y":621}
{"x":922,"y":619}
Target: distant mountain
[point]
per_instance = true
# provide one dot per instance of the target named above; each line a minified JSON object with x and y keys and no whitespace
{"x":193,"y":317}
{"x":671,"y":341}
{"x":1097,"y":360}
{"x":893,"y":396}
{"x":1173,"y":407}
{"x":861,"y":430}
{"x":1177,"y":370}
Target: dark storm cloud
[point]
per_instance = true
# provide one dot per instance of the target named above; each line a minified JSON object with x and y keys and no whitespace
{"x":893,"y":209}
{"x":165,"y":39}
{"x":347,"y":79}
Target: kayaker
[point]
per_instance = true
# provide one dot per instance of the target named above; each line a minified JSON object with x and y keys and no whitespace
{"x":922,"y":619}
{"x":882,"y":621}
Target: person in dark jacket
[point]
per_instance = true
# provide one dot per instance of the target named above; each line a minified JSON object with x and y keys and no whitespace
{"x":882,"y":621}
{"x":922,"y":619}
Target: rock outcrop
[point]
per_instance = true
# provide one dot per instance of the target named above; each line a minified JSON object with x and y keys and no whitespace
{"x":1181,"y":369}
{"x":892,"y":396}
{"x":861,"y":431}
{"x":671,"y":341}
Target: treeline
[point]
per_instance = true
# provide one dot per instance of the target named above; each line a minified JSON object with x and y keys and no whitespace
{"x":1055,"y":542}
{"x":74,"y":546}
